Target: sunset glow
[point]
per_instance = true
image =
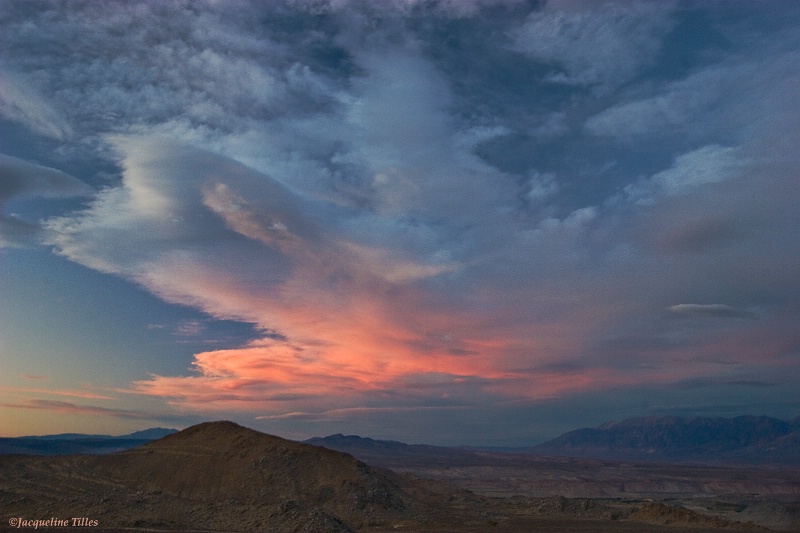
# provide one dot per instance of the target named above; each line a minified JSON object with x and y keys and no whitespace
{"x":384,"y":218}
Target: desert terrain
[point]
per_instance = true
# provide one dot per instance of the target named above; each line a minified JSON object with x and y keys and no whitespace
{"x":767,"y":496}
{"x":223,"y":477}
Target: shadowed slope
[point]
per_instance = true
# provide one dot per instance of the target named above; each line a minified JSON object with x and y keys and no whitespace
{"x":215,"y":475}
{"x":221,"y":460}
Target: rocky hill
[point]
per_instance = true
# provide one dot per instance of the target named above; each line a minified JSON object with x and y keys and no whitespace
{"x":215,"y":475}
{"x":744,"y":439}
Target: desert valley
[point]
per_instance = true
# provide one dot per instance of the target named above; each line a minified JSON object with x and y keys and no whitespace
{"x":219,"y":476}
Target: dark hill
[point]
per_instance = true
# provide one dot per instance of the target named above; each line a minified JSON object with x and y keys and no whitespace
{"x":215,"y":475}
{"x":744,"y":439}
{"x":222,"y":460}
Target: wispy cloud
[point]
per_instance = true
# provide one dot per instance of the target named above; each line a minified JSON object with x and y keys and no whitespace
{"x":20,"y":101}
{"x":25,"y":180}
{"x":55,"y":392}
{"x":334,"y":414}
{"x":710,"y":310}
{"x":601,"y":44}
{"x":71,"y":408}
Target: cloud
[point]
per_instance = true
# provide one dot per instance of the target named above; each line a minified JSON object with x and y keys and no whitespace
{"x":21,"y":180}
{"x":345,"y":413}
{"x":93,"y":410}
{"x":602,"y":44}
{"x":701,"y":382}
{"x":180,"y":225}
{"x":710,"y":310}
{"x":703,"y":166}
{"x":424,"y":205}
{"x":541,"y":185}
{"x":739,"y":94}
{"x":57,"y":392}
{"x":21,"y":102}
{"x":190,"y":328}
{"x":447,"y":8}
{"x":147,"y":66}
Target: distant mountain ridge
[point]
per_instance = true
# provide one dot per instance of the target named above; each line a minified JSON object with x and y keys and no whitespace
{"x":77,"y":443}
{"x":743,"y":439}
{"x":390,"y":453}
{"x":753,"y":440}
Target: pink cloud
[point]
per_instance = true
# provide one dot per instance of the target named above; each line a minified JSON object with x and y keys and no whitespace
{"x":368,"y":315}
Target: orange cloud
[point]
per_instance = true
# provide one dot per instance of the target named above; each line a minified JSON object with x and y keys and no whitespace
{"x":368,"y":308}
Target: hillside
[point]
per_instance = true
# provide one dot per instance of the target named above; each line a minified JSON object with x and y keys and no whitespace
{"x":741,"y":440}
{"x":209,"y":476}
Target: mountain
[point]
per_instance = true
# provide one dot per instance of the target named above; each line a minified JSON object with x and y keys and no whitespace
{"x":393,"y":454}
{"x":744,"y":439}
{"x":209,"y":476}
{"x":77,"y":443}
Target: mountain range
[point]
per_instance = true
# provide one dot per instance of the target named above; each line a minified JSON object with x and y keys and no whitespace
{"x":755,"y":440}
{"x":77,"y":443}
{"x":739,"y":440}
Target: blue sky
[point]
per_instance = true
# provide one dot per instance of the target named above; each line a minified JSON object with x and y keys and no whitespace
{"x":478,"y":222}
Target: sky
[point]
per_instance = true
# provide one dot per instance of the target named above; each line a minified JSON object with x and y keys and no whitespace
{"x":477,"y":222}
